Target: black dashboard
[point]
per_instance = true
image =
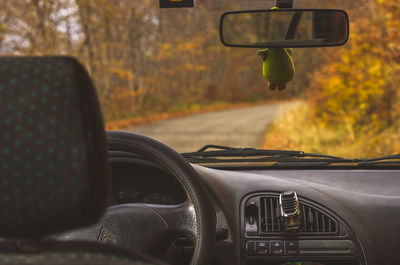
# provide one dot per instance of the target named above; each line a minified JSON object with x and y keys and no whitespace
{"x":349,"y":217}
{"x":148,"y":184}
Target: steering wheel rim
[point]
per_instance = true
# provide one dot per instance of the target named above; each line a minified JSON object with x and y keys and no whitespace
{"x":201,"y":224}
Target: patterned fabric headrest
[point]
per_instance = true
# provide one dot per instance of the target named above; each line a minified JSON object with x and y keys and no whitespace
{"x":54,"y":172}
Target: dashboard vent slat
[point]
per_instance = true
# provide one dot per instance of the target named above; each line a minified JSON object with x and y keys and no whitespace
{"x":279,"y":225}
{"x":264,"y":215}
{"x":329,"y":224}
{"x":272,"y":215}
{"x":313,"y":220}
{"x":303,"y":210}
{"x":316,"y":221}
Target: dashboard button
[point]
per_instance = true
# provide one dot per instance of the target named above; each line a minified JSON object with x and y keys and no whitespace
{"x":262,"y":248}
{"x":277,"y":247}
{"x":251,"y":248}
{"x":292,"y":247}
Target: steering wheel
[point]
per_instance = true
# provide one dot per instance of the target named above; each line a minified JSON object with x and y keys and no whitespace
{"x":151,"y":228}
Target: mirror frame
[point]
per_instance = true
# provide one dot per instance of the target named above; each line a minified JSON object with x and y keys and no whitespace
{"x":221,"y":35}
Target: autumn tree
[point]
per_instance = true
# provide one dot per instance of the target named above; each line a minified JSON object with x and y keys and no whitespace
{"x":143,"y":59}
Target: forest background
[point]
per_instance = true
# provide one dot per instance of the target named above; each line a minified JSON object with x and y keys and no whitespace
{"x":148,"y":62}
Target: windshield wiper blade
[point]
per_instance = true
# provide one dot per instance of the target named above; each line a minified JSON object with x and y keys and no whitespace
{"x":279,"y":158}
{"x":383,"y":160}
{"x":224,"y":154}
{"x":236,"y":152}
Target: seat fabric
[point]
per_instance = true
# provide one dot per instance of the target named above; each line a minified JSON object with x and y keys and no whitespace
{"x":53,"y":163}
{"x":54,"y":171}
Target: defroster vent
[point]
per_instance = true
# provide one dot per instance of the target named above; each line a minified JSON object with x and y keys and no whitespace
{"x":313,"y":220}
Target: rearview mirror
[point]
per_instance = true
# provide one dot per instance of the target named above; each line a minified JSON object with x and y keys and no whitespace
{"x":284,"y":28}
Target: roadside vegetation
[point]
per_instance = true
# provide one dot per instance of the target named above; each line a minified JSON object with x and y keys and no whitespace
{"x":352,"y":105}
{"x":144,"y":61}
{"x":149,"y":64}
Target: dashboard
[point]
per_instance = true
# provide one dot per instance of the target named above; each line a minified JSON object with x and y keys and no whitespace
{"x":348,"y":216}
{"x":141,"y":181}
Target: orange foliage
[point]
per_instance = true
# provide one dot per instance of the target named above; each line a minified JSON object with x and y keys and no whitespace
{"x":352,"y":105}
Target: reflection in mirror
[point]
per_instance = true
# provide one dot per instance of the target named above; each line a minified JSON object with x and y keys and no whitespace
{"x":284,"y":28}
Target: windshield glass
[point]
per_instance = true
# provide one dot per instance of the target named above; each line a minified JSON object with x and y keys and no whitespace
{"x":165,"y":73}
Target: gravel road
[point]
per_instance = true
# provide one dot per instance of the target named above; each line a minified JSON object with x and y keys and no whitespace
{"x":243,"y":127}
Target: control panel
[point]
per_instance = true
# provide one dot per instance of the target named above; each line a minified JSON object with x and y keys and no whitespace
{"x":300,"y":247}
{"x":285,"y":226}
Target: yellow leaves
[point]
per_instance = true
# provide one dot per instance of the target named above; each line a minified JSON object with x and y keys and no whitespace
{"x":193,"y":67}
{"x":187,"y":46}
{"x":346,"y":58}
{"x":3,"y":27}
{"x":165,"y":51}
{"x":297,"y":129}
{"x":355,"y":92}
{"x":201,"y":67}
{"x":121,"y":73}
{"x":121,"y":102}
{"x":352,"y":85}
{"x":182,"y":48}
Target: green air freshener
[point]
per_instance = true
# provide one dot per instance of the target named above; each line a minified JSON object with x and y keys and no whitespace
{"x":278,"y":66}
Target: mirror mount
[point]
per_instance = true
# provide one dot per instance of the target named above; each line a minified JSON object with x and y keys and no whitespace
{"x":295,"y":20}
{"x":284,"y":3}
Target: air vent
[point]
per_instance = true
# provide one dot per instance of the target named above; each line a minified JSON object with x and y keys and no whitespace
{"x":313,"y":220}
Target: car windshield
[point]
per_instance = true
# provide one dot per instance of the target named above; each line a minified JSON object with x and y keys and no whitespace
{"x":164,"y":73}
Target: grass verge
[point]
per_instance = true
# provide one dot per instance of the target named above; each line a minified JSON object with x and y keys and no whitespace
{"x":298,"y":130}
